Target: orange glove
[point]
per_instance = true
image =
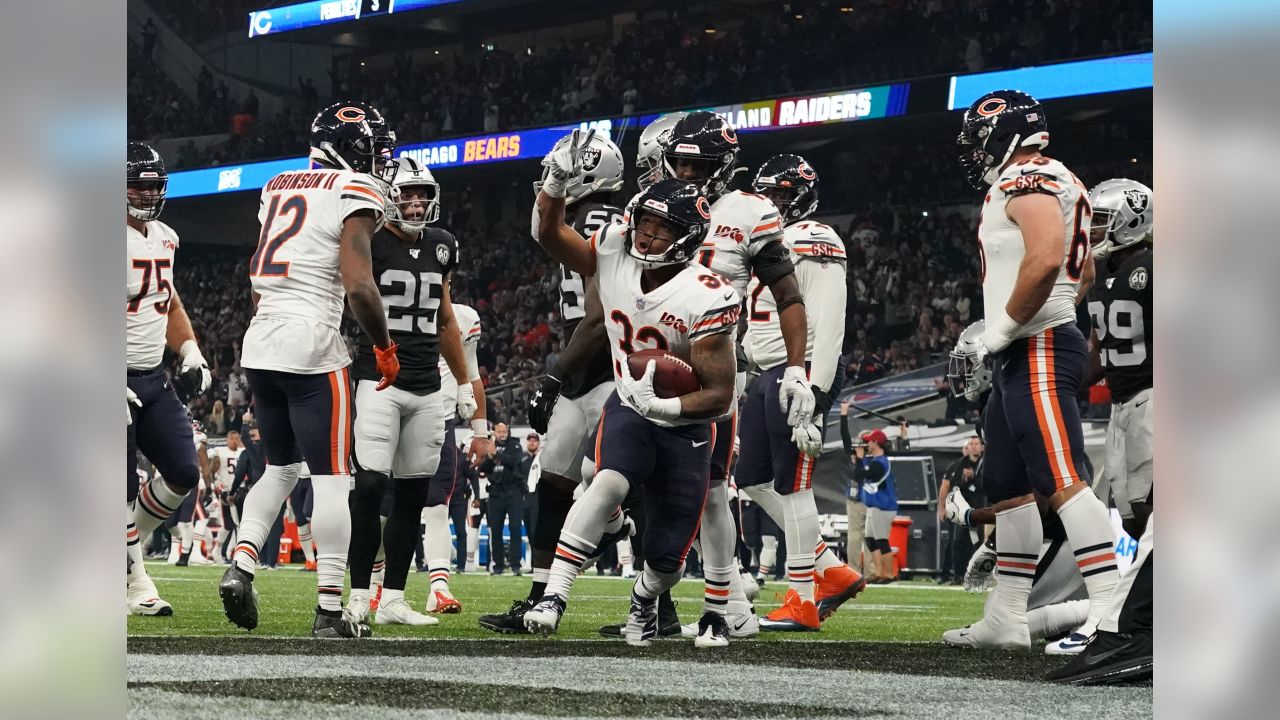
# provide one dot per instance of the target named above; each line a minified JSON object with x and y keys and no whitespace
{"x":388,"y":365}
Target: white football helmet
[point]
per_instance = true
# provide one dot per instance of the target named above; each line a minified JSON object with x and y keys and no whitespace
{"x":1122,"y":215}
{"x":601,"y":168}
{"x":966,"y":377}
{"x":411,"y":173}
{"x":649,"y":156}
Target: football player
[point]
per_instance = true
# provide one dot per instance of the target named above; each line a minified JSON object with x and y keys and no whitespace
{"x":189,"y":519}
{"x":400,"y":429}
{"x":450,"y":476}
{"x":745,"y":239}
{"x":301,"y":503}
{"x":1034,"y":242}
{"x":654,"y":297}
{"x":570,"y":397}
{"x":313,"y":251}
{"x":158,"y":424}
{"x":649,"y":153}
{"x":772,"y":470}
{"x":223,"y":459}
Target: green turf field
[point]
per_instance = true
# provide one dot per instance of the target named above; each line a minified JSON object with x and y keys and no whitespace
{"x":879,"y":656}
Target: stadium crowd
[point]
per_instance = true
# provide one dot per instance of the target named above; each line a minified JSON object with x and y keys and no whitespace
{"x":705,"y":58}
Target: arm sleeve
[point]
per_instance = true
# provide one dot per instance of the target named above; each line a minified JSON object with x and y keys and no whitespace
{"x":823,"y":288}
{"x":469,"y":345}
{"x":772,"y":262}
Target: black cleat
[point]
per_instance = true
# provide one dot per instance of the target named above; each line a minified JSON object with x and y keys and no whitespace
{"x":510,"y":622}
{"x":184,"y":560}
{"x":338,"y":625}
{"x":239,"y":599}
{"x":668,"y":621}
{"x":1111,"y":659}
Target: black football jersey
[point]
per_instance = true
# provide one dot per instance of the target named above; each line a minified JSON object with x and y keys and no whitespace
{"x":586,"y":217}
{"x":1120,"y":305}
{"x":411,"y":280}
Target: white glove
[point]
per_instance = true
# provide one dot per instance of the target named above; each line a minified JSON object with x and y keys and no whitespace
{"x":808,"y":438}
{"x":565,"y":163}
{"x":997,"y":336}
{"x":640,"y":394}
{"x":195,"y":369}
{"x":466,"y":401}
{"x":131,"y":398}
{"x":796,"y":397}
{"x":980,"y":576}
{"x":958,"y":509}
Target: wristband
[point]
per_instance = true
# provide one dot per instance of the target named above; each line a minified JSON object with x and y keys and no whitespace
{"x":1004,"y":325}
{"x":480,"y":428}
{"x":189,"y":348}
{"x":665,"y":408}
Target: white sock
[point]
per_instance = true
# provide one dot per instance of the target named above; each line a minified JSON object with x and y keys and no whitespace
{"x":261,"y":506}
{"x":824,"y":558}
{"x":1089,"y":532}
{"x":718,"y":551}
{"x":156,"y":503}
{"x":583,"y":528}
{"x":331,"y":527}
{"x":185,"y":535}
{"x":625,"y":557}
{"x":1058,"y":618}
{"x":768,"y":555}
{"x":197,"y":540}
{"x":650,"y":583}
{"x":305,"y":540}
{"x":1019,"y":535}
{"x":136,"y":572}
{"x":801,"y":512}
{"x":388,"y":595}
{"x":436,"y":544}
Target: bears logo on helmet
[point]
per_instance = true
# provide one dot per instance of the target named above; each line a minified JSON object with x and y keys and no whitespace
{"x":350,"y":114}
{"x":991,"y":106}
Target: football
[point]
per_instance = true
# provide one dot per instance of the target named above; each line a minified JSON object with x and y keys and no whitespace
{"x":672,"y":377}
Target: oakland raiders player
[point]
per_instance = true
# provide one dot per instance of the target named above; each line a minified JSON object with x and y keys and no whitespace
{"x":745,"y":239}
{"x":772,"y":470}
{"x":159,"y":426}
{"x":570,"y":397}
{"x":654,"y":297}
{"x":649,"y":153}
{"x":314,"y":251}
{"x":399,"y":430}
{"x":1034,"y":243}
{"x":1120,"y":305}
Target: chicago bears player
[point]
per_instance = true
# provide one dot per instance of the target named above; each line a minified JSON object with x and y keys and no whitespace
{"x":649,"y":154}
{"x":653,"y":297}
{"x":1034,"y":242}
{"x":158,"y":425}
{"x":450,"y":476}
{"x":399,"y":430}
{"x":188,"y":520}
{"x":314,"y":251}
{"x":746,"y":239}
{"x":570,"y":397}
{"x":772,"y":469}
{"x":223,"y":460}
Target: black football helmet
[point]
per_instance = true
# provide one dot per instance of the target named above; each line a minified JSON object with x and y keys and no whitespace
{"x":144,"y":171}
{"x":994,"y":126}
{"x":683,"y":206}
{"x":709,"y":140}
{"x":791,"y":183}
{"x":353,"y":136}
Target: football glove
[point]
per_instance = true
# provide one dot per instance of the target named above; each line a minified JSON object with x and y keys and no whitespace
{"x":388,"y":364}
{"x":958,"y":509}
{"x":542,"y":402}
{"x":193,"y":375}
{"x":980,"y":575}
{"x":641,"y":396}
{"x":466,"y":401}
{"x":821,"y":404}
{"x":131,"y":401}
{"x":565,"y":163}
{"x":795,"y":396}
{"x":808,"y":438}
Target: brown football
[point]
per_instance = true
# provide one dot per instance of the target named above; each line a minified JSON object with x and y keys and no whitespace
{"x":672,"y":377}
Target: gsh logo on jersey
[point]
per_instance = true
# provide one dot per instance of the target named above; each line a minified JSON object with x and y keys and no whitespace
{"x":672,"y":321}
{"x":729,"y":231}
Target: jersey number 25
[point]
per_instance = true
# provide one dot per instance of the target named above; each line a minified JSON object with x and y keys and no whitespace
{"x":423,"y":291}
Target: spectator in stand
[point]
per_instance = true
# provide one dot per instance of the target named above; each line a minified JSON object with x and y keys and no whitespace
{"x":149,"y":34}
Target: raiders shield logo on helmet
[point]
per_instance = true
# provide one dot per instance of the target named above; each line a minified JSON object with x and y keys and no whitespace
{"x":590,"y":158}
{"x":442,"y":254}
{"x":1137,"y":200}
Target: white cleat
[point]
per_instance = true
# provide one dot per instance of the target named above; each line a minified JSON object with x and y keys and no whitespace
{"x":398,"y":612}
{"x":1003,"y":634}
{"x":749,"y":586}
{"x":544,"y":617}
{"x":741,"y":625}
{"x":712,"y":631}
{"x":201,"y":560}
{"x":142,"y":598}
{"x":358,"y":608}
{"x":1073,"y":644}
{"x":628,"y":572}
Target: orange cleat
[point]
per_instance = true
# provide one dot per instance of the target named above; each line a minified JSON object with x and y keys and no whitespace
{"x":795,"y":615}
{"x":441,"y":601}
{"x":835,"y":587}
{"x":310,"y":566}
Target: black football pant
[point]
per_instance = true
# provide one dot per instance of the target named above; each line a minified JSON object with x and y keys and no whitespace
{"x":505,"y":507}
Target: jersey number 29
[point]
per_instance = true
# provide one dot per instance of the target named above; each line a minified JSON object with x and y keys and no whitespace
{"x":423,"y":291}
{"x":1122,"y":322}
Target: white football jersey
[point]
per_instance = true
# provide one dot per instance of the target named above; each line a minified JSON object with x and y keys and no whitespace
{"x":692,"y":305}
{"x":148,"y":293}
{"x":295,"y":269}
{"x":469,"y":324}
{"x":813,"y":247}
{"x":1000,"y":240}
{"x":224,"y":464}
{"x":741,"y":224}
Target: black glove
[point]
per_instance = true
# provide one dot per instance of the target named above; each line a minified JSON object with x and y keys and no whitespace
{"x":542,"y":401}
{"x":821,"y":404}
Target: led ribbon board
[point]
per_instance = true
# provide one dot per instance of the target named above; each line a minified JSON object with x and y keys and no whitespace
{"x":1045,"y":82}
{"x":274,"y":21}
